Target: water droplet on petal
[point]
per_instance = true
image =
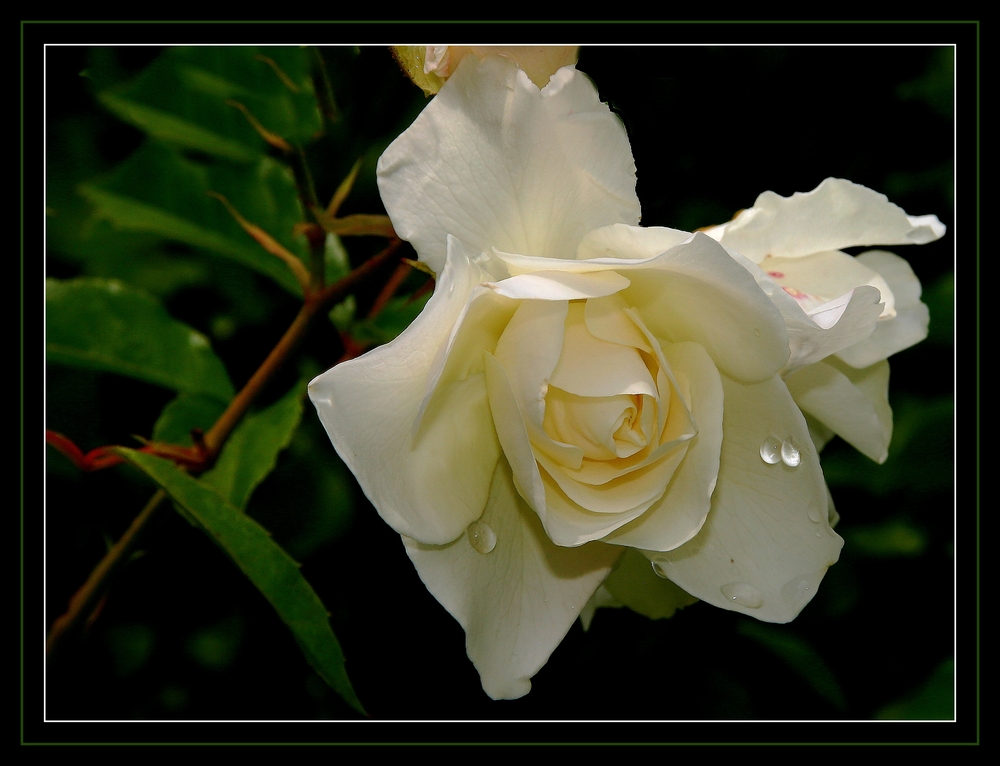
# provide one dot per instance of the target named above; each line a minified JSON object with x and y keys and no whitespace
{"x":743,"y":593}
{"x":814,"y":514}
{"x":799,"y":590}
{"x":658,"y":570}
{"x":770,"y":450}
{"x":790,"y":454}
{"x":481,"y":537}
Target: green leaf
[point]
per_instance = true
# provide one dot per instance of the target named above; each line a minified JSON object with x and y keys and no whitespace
{"x":105,"y":325}
{"x":634,"y":583}
{"x":920,"y":454}
{"x":269,"y":567}
{"x":395,"y":317}
{"x":893,"y":538}
{"x":933,"y":701}
{"x":799,"y":655}
{"x":251,"y":452}
{"x":335,"y":256}
{"x":158,"y":191}
{"x":186,"y":97}
{"x":185,"y":412}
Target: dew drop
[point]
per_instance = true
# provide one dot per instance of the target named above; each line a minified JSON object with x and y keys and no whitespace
{"x":799,"y":590}
{"x":770,"y":450}
{"x":756,"y":331}
{"x":481,"y":537}
{"x":814,"y":514}
{"x":790,"y":454}
{"x":658,"y":570}
{"x":743,"y":594}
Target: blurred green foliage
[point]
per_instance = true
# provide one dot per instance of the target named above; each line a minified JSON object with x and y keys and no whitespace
{"x":139,"y":136}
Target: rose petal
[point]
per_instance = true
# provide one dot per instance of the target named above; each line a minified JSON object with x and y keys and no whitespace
{"x":569,"y":524}
{"x":816,"y":279}
{"x":593,"y":367}
{"x":369,"y":405}
{"x":629,"y":242}
{"x":834,"y":215}
{"x":853,"y":403}
{"x":625,"y":495}
{"x":695,"y":291}
{"x":496,"y":162}
{"x":560,"y":286}
{"x":908,"y":327}
{"x":608,"y":319}
{"x":767,"y":541}
{"x":528,"y":351}
{"x":513,"y":435}
{"x":830,"y":328}
{"x":681,"y":512}
{"x":516,"y":602}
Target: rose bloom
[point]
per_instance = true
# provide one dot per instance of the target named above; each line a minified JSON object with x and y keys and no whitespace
{"x":579,"y":388}
{"x":796,"y":242}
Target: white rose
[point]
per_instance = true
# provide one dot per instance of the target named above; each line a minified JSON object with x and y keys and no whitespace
{"x":576,"y":386}
{"x":837,"y":371}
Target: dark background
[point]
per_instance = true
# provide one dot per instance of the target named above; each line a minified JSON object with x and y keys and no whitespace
{"x":183,"y":636}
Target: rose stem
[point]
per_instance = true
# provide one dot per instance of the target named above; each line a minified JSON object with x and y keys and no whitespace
{"x":84,"y":600}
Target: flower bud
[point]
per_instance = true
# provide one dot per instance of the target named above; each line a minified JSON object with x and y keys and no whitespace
{"x":430,"y":65}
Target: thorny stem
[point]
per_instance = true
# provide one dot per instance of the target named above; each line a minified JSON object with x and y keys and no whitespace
{"x":84,"y":601}
{"x":314,"y":234}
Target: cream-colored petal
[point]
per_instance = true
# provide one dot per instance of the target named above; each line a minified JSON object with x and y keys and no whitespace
{"x":528,"y":351}
{"x":560,"y":286}
{"x":604,"y":427}
{"x":629,"y":242}
{"x":767,"y":541}
{"x":681,"y":512}
{"x":517,"y":601}
{"x":608,"y":319}
{"x":592,"y":367}
{"x":835,"y":215}
{"x":695,"y":291}
{"x":496,"y":162}
{"x":430,"y":484}
{"x":478,"y":326}
{"x":569,"y":524}
{"x":908,"y":327}
{"x":830,"y":328}
{"x":621,"y":495}
{"x":854,"y":404}
{"x":513,"y":435}
{"x":816,"y":279}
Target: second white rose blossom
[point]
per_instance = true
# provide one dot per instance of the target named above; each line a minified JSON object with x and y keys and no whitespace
{"x":578,"y":387}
